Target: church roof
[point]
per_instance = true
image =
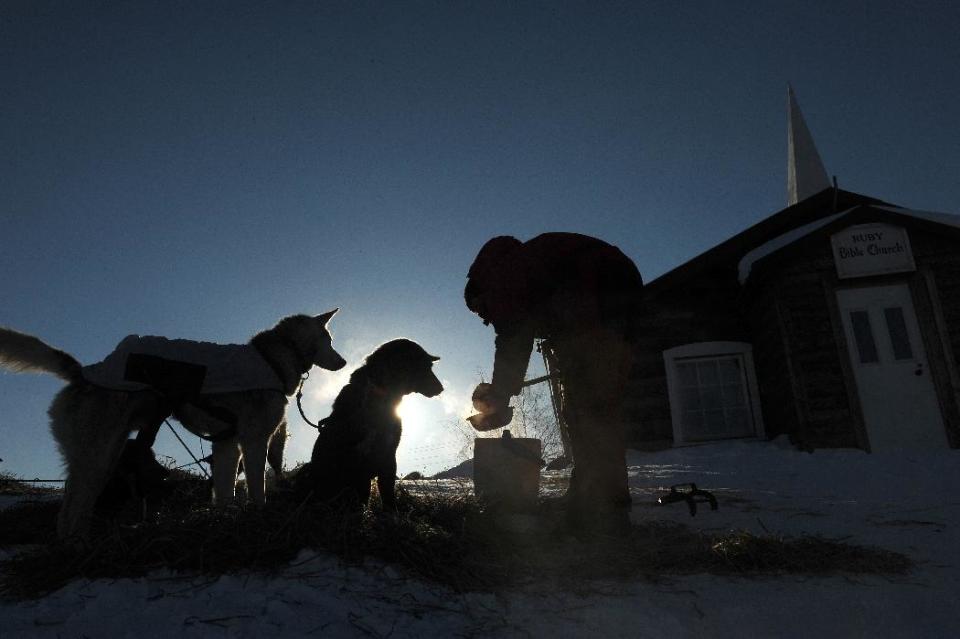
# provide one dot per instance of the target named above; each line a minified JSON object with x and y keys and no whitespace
{"x":728,"y":253}
{"x":813,"y":204}
{"x":842,"y":219}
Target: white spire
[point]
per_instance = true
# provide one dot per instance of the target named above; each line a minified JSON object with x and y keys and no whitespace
{"x":805,"y":173}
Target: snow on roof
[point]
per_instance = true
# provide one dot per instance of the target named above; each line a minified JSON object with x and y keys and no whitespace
{"x":948,"y":219}
{"x":747,"y":261}
{"x":777,"y":243}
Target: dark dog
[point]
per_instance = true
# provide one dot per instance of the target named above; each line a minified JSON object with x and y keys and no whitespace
{"x":139,"y":479}
{"x":359,"y":440}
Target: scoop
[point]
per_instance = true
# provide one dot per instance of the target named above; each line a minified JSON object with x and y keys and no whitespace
{"x":484,"y":422}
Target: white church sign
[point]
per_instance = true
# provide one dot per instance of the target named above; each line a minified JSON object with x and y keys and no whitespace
{"x":872,"y":249}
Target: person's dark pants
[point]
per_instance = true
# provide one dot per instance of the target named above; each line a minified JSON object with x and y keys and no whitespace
{"x":595,"y":367}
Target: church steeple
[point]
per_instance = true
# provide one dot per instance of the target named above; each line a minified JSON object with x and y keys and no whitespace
{"x":805,"y":173}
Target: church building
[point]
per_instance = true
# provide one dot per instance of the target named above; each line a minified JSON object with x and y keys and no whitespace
{"x":835,"y":321}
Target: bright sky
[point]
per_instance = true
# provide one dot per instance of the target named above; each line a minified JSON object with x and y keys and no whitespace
{"x":200,"y":169}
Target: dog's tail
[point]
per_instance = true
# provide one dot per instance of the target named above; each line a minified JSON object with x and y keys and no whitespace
{"x":23,"y":353}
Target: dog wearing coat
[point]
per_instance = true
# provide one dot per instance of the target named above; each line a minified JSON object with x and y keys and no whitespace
{"x":91,"y":418}
{"x":358,"y":441}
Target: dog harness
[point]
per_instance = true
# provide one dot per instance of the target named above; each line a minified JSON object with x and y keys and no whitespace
{"x":181,"y":366}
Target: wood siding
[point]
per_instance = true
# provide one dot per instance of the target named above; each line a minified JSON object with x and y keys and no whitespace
{"x":809,"y":390}
{"x":706,"y":310}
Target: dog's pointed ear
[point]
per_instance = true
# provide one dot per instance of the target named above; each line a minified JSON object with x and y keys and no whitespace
{"x":325,"y":317}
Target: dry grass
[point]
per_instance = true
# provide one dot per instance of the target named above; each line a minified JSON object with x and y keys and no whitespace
{"x":448,"y":539}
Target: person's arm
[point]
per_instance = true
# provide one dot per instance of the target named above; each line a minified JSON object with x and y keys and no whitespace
{"x":514,"y":344}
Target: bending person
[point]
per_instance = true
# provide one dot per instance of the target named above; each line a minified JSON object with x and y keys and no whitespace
{"x":581,"y":295}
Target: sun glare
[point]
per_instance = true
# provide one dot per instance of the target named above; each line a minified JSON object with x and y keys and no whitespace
{"x":408,"y":410}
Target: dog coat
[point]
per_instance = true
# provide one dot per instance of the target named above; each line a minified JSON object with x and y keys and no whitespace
{"x":213,"y":368}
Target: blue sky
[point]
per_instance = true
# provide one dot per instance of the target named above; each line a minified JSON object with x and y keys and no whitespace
{"x":200,"y":169}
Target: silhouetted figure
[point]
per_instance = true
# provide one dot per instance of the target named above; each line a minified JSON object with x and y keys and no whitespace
{"x":581,"y":295}
{"x":358,"y":441}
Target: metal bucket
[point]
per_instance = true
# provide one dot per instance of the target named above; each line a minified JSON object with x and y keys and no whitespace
{"x":506,"y":471}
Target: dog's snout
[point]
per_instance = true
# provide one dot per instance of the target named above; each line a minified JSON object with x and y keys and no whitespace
{"x":432,"y":387}
{"x":331,"y":361}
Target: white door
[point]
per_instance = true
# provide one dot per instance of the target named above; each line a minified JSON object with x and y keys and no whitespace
{"x":897,"y":395}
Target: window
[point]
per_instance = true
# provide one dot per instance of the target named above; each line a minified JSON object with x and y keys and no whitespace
{"x":866,"y":339}
{"x":712,"y":387}
{"x":897,"y":328}
{"x":863,"y":334}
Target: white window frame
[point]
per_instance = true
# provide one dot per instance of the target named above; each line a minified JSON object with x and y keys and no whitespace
{"x":702,"y":350}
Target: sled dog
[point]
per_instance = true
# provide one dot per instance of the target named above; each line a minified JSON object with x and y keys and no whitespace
{"x":359,"y":440}
{"x":235,"y":395}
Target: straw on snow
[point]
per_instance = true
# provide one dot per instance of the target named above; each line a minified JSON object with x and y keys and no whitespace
{"x":446,"y":538}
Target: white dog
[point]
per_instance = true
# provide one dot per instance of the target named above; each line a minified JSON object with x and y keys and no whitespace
{"x":233,"y":394}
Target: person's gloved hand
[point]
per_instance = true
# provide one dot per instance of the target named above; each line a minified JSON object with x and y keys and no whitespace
{"x":493,"y":409}
{"x":488,"y":401}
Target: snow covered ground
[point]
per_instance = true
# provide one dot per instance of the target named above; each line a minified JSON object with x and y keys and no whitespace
{"x":909,"y":503}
